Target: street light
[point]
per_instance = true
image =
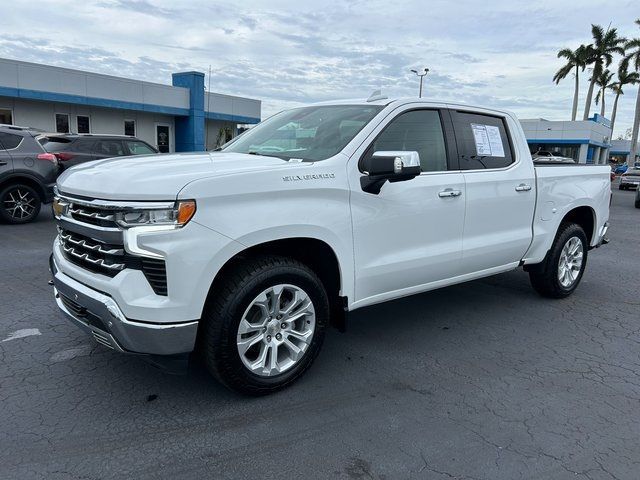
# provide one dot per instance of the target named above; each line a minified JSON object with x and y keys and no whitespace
{"x":421,"y":75}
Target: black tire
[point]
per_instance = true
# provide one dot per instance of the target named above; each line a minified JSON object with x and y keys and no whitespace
{"x":224,"y":311}
{"x":620,"y":187}
{"x":637,"y":204}
{"x":544,"y":276}
{"x":19,"y":203}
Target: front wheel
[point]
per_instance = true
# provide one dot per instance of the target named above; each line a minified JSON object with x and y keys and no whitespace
{"x":264,"y":324}
{"x":561,"y":271}
{"x":638,"y":198}
{"x":19,"y":204}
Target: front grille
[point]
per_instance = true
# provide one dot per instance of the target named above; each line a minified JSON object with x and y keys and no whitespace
{"x":110,"y":259}
{"x":101,"y":217}
{"x":93,"y":255}
{"x":91,"y":238}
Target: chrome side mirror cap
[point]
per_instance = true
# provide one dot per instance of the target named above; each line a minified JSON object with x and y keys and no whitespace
{"x":392,"y":166}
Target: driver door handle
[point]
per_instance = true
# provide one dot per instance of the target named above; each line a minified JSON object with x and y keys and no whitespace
{"x":449,"y":192}
{"x":523,"y":187}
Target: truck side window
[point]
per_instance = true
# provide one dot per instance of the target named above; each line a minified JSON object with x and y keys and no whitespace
{"x":483,"y":141}
{"x":419,"y":131}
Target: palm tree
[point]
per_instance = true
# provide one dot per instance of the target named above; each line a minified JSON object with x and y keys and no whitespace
{"x":633,"y":57}
{"x":624,"y":78}
{"x":575,"y":59}
{"x":605,"y":45}
{"x":604,"y":82}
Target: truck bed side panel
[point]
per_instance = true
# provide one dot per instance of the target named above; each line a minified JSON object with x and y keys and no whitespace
{"x":561,"y":189}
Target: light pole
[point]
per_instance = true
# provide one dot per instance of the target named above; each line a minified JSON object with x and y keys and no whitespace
{"x":421,"y":75}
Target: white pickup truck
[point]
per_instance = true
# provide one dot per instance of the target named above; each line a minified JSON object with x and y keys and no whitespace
{"x":248,"y":253}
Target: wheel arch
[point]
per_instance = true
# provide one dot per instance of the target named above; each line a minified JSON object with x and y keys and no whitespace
{"x":26,"y":180}
{"x":585,"y":216}
{"x":315,"y":253}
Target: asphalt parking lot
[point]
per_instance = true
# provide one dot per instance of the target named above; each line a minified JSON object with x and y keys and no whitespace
{"x":484,"y":380}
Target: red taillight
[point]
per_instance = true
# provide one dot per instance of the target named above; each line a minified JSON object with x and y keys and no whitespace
{"x":48,"y":156}
{"x":64,"y":156}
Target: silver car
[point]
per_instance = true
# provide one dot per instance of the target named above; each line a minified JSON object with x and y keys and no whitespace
{"x":630,"y":179}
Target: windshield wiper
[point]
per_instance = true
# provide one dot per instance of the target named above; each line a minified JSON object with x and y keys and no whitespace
{"x":281,"y":157}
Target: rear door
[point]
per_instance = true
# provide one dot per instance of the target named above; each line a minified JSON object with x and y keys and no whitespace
{"x":500,"y":190}
{"x":7,"y":142}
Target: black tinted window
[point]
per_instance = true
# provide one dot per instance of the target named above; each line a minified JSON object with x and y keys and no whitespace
{"x":9,"y":141}
{"x":130,"y":128}
{"x":416,"y":131}
{"x":54,"y":144}
{"x":84,"y":145}
{"x":62,"y":123}
{"x":83,"y":124}
{"x":482,"y":141}
{"x":110,"y":148}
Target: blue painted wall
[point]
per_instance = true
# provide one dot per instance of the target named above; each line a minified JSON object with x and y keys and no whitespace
{"x":190,"y":129}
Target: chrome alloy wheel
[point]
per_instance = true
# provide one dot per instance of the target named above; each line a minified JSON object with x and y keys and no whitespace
{"x":570,"y":262}
{"x":19,"y":203}
{"x":276,"y":330}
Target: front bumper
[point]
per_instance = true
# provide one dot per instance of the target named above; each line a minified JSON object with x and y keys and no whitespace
{"x":99,"y":315}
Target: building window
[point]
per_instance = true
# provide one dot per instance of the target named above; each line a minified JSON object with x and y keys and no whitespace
{"x":83,"y":123}
{"x":6,"y":116}
{"x":62,"y":122}
{"x":130,"y":128}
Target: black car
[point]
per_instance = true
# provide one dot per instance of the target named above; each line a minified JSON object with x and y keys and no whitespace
{"x":27,"y":174}
{"x":74,"y":148}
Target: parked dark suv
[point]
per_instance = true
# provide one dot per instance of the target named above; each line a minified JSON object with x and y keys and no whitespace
{"x":74,"y":148}
{"x":27,"y":174}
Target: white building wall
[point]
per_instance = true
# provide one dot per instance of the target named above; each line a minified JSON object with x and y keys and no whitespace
{"x":41,"y":115}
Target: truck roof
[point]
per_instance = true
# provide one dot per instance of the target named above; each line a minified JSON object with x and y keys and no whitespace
{"x":384,"y":101}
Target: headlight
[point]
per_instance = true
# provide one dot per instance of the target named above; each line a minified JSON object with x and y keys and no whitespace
{"x":178,"y":216}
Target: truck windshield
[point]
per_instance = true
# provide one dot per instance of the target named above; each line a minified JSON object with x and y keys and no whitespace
{"x":308,"y":133}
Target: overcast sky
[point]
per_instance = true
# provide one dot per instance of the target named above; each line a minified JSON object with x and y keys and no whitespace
{"x":494,"y":53}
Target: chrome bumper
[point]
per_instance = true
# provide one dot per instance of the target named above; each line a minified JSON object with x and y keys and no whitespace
{"x":99,"y":315}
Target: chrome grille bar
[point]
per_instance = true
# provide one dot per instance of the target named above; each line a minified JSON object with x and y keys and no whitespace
{"x":95,"y":261}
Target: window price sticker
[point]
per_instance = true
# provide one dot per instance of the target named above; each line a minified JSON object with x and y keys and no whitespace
{"x":488,"y":140}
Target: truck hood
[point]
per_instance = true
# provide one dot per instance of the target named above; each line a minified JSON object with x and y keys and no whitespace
{"x":157,"y":177}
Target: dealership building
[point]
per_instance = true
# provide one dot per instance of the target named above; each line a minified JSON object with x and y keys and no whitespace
{"x":179,"y":117}
{"x":587,"y":141}
{"x":621,"y":149}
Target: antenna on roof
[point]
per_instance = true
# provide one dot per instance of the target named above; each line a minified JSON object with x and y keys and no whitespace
{"x":376,"y":95}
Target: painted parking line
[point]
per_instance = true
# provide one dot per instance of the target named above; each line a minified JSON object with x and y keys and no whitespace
{"x":25,"y":332}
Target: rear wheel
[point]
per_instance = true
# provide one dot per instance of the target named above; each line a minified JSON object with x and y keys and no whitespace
{"x":19,"y":204}
{"x":638,"y":198}
{"x":264,"y":325}
{"x":562,"y":269}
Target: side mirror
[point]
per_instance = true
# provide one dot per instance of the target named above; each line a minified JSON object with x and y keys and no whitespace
{"x":392,"y":166}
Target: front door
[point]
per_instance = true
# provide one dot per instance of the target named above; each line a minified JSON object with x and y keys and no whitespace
{"x":163,"y":139}
{"x":500,"y":188}
{"x":410,"y":234}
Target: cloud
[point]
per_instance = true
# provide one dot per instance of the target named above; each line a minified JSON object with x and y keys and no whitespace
{"x":287,"y":52}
